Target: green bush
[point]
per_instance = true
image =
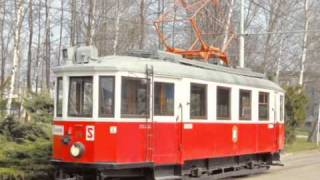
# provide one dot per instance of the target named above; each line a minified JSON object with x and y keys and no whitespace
{"x":25,"y":148}
{"x":296,"y":104}
{"x":29,"y":160}
{"x":19,"y":132}
{"x":39,"y":107}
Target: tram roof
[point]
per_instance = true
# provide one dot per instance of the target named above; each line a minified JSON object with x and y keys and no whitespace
{"x":180,"y":68}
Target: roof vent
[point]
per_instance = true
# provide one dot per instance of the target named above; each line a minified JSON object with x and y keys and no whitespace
{"x":141,"y":53}
{"x":79,"y":55}
{"x":85,"y":53}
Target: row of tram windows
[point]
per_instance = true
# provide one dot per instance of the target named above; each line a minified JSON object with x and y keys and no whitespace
{"x":135,"y":99}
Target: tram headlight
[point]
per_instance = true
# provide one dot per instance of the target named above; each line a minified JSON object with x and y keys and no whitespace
{"x":77,"y":149}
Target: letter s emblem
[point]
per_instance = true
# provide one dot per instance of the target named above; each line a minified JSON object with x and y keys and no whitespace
{"x":90,"y":133}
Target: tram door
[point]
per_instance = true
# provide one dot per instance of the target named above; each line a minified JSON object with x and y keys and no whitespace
{"x":149,"y":124}
{"x":163,"y":129}
{"x":275,"y":119}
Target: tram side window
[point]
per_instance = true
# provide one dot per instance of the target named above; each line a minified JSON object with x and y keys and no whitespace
{"x":134,"y":97}
{"x":59,"y":95}
{"x":281,"y":108}
{"x":164,"y":99}
{"x":80,"y":97}
{"x":245,"y":105}
{"x":263,"y":106}
{"x":223,"y":103}
{"x":106,"y":96}
{"x":198,"y":101}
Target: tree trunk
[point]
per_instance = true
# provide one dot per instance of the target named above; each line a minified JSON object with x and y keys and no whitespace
{"x":38,"y":49}
{"x":47,"y":46}
{"x":105,"y":43}
{"x":16,"y":53}
{"x":3,"y":57}
{"x":117,"y":28}
{"x":141,"y":41}
{"x":274,"y":17}
{"x":279,"y":61}
{"x":73,"y":22}
{"x":61,"y":31}
{"x":91,"y":22}
{"x":305,"y":41}
{"x":159,"y":14}
{"x":29,"y":86}
{"x":174,"y":25}
{"x":226,"y":39}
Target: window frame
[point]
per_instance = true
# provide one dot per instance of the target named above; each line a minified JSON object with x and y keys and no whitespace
{"x":113,"y":97}
{"x":147,"y":115}
{"x":282,"y":108}
{"x":154,"y":95}
{"x":250,"y":95}
{"x":268,"y":106}
{"x":92,"y":92}
{"x":229,"y":118}
{"x":205,"y":117}
{"x":57,"y":97}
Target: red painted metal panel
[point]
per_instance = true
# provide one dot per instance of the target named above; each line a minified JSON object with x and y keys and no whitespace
{"x":281,"y":136}
{"x":131,"y":142}
{"x":102,"y":149}
{"x":166,"y":143}
{"x":265,"y":138}
{"x":128,"y":143}
{"x":200,"y":135}
{"x":247,"y":139}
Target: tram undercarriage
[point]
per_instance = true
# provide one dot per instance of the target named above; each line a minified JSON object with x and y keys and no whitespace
{"x":216,"y":168}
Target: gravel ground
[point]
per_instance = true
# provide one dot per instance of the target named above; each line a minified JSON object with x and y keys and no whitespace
{"x":298,"y":166}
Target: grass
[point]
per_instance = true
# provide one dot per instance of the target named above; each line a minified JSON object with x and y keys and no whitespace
{"x":301,"y":144}
{"x":10,"y":172}
{"x":302,"y":132}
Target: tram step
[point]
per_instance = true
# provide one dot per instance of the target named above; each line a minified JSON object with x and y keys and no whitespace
{"x":168,"y":178}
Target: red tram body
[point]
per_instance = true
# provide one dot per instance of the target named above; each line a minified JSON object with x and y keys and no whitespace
{"x":118,"y":117}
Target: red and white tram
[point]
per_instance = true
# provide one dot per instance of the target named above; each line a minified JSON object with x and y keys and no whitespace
{"x":163,"y":117}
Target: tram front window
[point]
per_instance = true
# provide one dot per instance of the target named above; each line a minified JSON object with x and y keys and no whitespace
{"x":80,"y":97}
{"x":59,"y":97}
{"x":106,"y":96}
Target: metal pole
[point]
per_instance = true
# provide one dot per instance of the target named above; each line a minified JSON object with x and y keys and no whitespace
{"x":318,"y":126}
{"x":241,"y":38}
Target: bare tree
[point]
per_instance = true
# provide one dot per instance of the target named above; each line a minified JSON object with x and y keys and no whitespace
{"x":30,"y":45}
{"x":91,"y":22}
{"x":61,"y":31}
{"x":73,"y":22}
{"x":47,"y":46}
{"x":16,"y":52}
{"x":3,"y":56}
{"x":279,"y":60}
{"x":38,"y":67}
{"x":227,"y":38}
{"x":273,"y":17}
{"x":142,"y":19}
{"x":305,"y":41}
{"x":117,"y":28}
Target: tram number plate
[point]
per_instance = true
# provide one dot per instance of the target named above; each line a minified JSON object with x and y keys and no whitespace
{"x":90,"y":133}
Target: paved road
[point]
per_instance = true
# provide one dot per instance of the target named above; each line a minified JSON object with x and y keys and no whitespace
{"x":300,"y":166}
